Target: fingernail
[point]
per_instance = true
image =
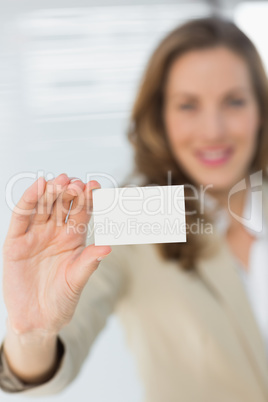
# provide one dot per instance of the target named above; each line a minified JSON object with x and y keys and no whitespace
{"x":101,"y":258}
{"x":93,"y":186}
{"x":74,"y":179}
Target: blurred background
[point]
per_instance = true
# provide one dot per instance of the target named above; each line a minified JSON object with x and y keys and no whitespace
{"x":69,"y":71}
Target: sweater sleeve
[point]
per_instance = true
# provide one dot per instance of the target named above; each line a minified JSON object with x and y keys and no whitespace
{"x":98,"y":299}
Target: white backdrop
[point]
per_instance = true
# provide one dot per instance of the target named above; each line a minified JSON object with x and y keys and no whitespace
{"x":67,"y":81}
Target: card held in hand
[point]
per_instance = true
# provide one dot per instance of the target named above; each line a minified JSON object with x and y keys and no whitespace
{"x":139,"y":215}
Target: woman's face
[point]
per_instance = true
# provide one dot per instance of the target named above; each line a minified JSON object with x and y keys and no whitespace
{"x":211,"y":116}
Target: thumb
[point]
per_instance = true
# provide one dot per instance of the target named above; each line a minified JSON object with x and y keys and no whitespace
{"x":84,"y":266}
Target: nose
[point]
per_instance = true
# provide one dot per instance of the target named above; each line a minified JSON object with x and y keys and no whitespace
{"x":212,"y":125}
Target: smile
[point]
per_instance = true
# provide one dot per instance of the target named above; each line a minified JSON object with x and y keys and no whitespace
{"x":214,"y":156}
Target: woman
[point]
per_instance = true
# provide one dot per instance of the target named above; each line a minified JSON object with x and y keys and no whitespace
{"x":198,"y":332}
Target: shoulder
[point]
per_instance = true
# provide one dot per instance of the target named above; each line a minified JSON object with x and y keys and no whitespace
{"x":140,"y":261}
{"x":132,"y":255}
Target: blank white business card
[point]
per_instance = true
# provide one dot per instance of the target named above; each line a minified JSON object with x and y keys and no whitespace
{"x":139,"y":215}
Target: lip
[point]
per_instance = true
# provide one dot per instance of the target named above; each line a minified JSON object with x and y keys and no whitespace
{"x":227,"y":152}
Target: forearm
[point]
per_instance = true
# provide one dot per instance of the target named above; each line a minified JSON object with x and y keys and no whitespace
{"x":32,"y":358}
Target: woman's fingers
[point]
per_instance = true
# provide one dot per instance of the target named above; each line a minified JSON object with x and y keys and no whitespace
{"x":82,"y":205}
{"x":45,"y":205}
{"x":51,"y":200}
{"x":82,"y":268}
{"x":62,"y":205}
{"x":21,"y":215}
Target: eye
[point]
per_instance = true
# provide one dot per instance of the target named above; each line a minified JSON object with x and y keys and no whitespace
{"x":186,"y":106}
{"x":236,"y":102}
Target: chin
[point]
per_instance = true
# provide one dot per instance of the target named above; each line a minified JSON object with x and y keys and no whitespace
{"x":217,"y":184}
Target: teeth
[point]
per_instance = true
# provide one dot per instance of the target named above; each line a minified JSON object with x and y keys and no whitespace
{"x":213,"y":154}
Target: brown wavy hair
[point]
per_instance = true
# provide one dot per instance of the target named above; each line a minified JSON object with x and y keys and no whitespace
{"x":146,"y":132}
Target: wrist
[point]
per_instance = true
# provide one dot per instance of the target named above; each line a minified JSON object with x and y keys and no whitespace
{"x":31,"y":356}
{"x":31,"y":337}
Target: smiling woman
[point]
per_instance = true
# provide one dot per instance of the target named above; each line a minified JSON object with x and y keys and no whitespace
{"x":201,"y":115}
{"x":215,"y":123}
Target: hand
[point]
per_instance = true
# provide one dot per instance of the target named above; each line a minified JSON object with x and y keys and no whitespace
{"x":45,"y":265}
